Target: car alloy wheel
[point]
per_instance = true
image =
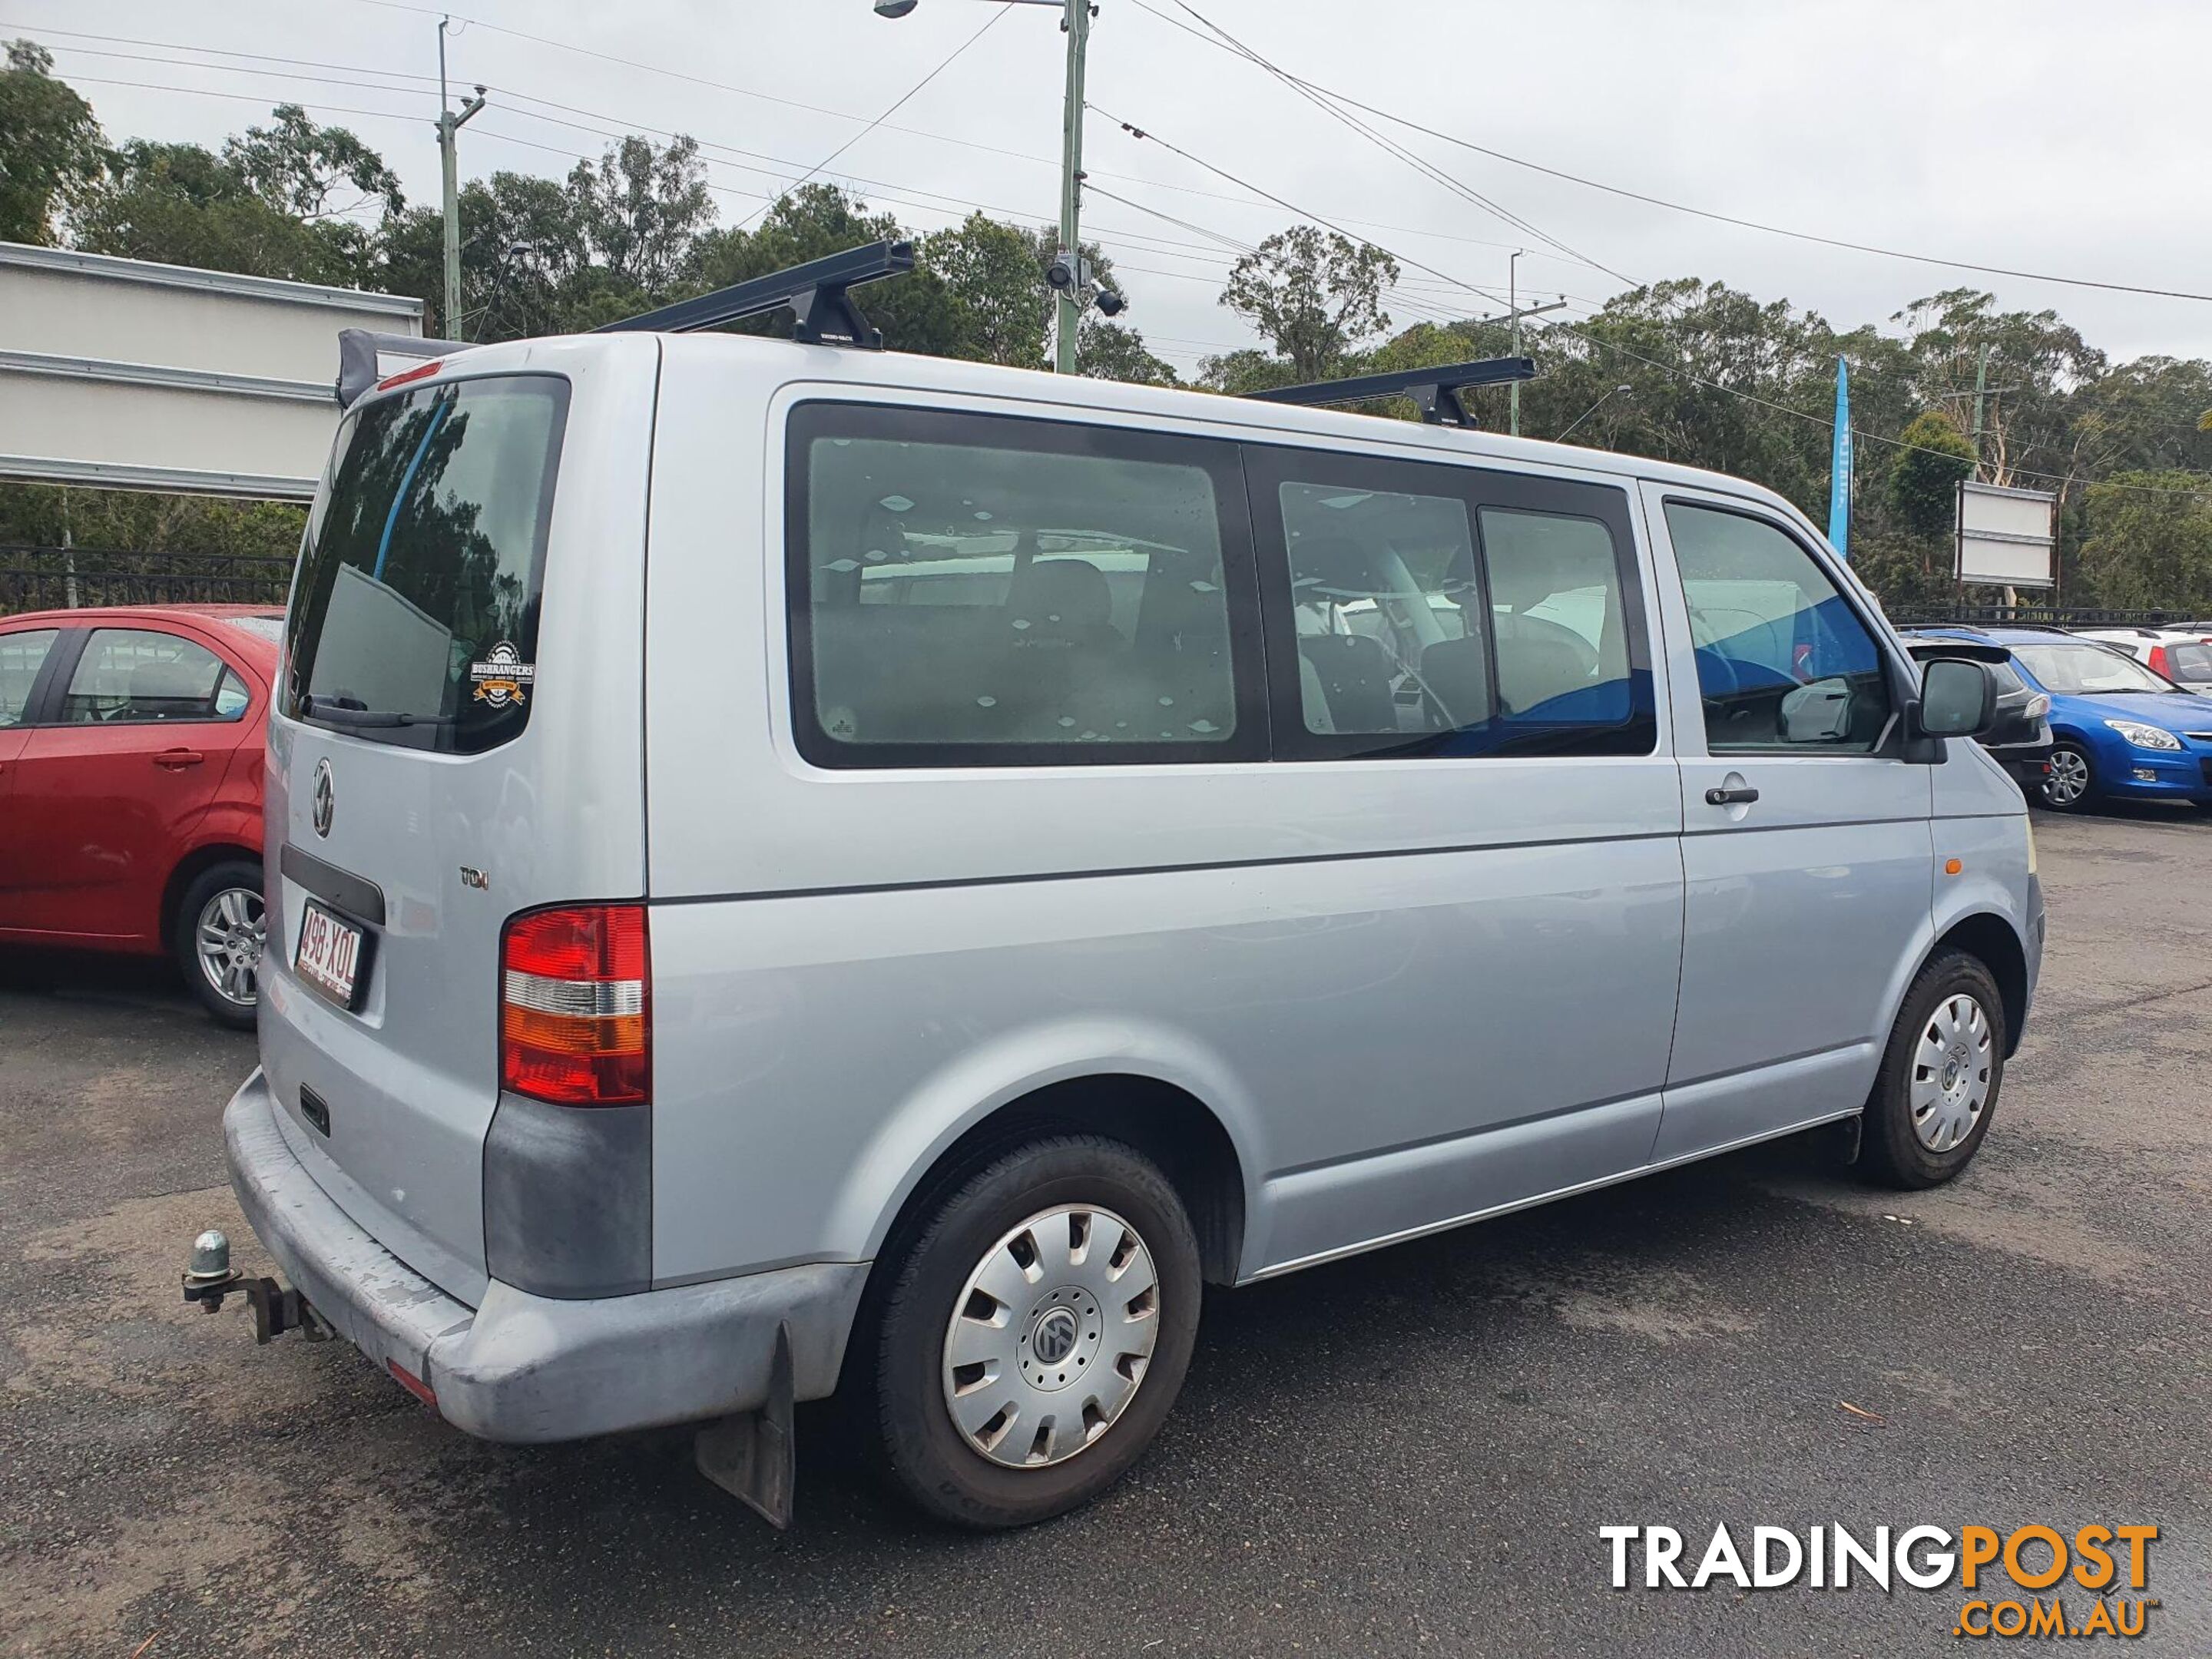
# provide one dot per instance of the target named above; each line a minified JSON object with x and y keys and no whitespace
{"x":228,"y":936}
{"x":2066,"y":778}
{"x":1051,"y":1336}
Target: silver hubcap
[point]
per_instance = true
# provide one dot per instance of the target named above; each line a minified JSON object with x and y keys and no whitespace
{"x":2068,"y":780}
{"x":229,"y":936}
{"x":1951,"y":1074}
{"x":1050,"y":1337}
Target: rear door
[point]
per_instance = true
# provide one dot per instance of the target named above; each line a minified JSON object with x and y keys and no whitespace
{"x":1807,"y":843}
{"x":146,"y":721}
{"x":456,"y":739}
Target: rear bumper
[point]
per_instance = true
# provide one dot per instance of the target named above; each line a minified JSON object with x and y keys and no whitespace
{"x":522,"y":1368}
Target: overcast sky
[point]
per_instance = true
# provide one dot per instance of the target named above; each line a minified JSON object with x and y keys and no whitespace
{"x":2066,"y":137}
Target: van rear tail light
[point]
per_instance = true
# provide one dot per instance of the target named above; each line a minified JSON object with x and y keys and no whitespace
{"x":2158,"y":660}
{"x":576,"y":1024}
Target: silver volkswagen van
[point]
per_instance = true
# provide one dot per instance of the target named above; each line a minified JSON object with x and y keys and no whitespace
{"x":796,"y":869}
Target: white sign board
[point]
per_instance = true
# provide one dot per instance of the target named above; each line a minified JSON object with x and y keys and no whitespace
{"x":127,"y":374}
{"x":2007,"y":537}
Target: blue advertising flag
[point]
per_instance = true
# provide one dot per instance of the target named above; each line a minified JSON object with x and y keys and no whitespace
{"x":1839,"y":466}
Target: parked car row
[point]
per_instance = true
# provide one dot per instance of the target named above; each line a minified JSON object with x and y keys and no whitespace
{"x":2120,"y":727}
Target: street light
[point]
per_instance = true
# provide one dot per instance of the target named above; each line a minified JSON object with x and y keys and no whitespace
{"x":1076,"y":23}
{"x":1591,"y":410}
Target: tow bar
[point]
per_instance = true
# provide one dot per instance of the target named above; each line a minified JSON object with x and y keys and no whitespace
{"x":277,"y":1308}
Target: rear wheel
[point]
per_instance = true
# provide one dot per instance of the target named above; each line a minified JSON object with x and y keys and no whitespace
{"x":2069,"y":781}
{"x":1037,"y":1333}
{"x":1937,"y":1088}
{"x":219,"y":930}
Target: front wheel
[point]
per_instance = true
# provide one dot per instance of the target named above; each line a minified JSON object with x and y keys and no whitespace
{"x":1937,"y":1088}
{"x":1037,"y":1333}
{"x":2069,"y":783}
{"x":219,"y":931}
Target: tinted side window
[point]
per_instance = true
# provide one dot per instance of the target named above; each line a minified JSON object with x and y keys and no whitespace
{"x":981,"y":590}
{"x":131,"y":676}
{"x":1432,"y":609}
{"x":21,"y":656}
{"x":1783,"y":662}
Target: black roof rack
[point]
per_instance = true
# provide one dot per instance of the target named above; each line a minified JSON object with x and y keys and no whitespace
{"x":815,"y":292}
{"x":1436,"y":390}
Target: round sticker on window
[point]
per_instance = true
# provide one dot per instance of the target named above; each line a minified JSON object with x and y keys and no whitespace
{"x":502,"y":679}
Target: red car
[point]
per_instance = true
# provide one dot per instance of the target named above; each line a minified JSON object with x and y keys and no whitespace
{"x":130,"y":775}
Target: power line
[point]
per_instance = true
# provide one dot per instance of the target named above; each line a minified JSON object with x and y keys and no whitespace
{"x":1680,"y":207}
{"x":989,"y":23}
{"x":1390,"y":147}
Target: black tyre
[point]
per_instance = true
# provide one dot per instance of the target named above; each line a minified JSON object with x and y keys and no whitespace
{"x":1036,"y":1332}
{"x":217,"y":934}
{"x":2069,"y":779}
{"x":1940,"y":1075}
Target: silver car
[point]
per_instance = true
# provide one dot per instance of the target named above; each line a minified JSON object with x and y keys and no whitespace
{"x":794,"y":868}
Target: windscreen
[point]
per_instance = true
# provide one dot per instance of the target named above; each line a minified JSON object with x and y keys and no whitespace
{"x":2087,"y":670}
{"x":414,"y":618}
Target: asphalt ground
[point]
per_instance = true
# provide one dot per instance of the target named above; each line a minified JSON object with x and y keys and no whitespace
{"x":1408,"y":1452}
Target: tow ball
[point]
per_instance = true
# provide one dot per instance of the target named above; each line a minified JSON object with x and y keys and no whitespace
{"x":277,"y":1308}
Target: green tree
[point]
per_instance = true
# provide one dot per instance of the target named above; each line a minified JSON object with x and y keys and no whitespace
{"x":992,"y":269}
{"x":643,"y":208}
{"x":298,"y":167}
{"x":1924,"y":478}
{"x":1115,"y":351}
{"x":264,"y":206}
{"x":524,"y":256}
{"x":51,"y":150}
{"x":1316,"y":296}
{"x":2147,"y":541}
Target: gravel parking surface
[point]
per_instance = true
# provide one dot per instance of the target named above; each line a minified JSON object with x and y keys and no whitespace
{"x":1408,"y":1452}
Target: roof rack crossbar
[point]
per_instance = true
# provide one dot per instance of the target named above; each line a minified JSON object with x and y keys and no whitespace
{"x":816,"y":293}
{"x":1436,"y":390}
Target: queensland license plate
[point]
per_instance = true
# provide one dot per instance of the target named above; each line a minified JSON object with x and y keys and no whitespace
{"x":332,"y":956}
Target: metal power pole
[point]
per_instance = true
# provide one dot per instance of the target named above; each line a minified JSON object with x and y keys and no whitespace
{"x":448,"y":124}
{"x":1981,"y":390}
{"x":1070,"y":313}
{"x":1513,"y":305}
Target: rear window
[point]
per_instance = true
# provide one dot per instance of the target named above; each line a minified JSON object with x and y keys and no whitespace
{"x":414,"y":619}
{"x":2190,"y":664}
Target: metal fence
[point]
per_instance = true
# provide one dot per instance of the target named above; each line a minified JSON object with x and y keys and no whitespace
{"x":2033,"y":616}
{"x":58,"y":579}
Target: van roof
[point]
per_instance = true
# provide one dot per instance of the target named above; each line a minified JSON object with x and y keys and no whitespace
{"x":844,"y":366}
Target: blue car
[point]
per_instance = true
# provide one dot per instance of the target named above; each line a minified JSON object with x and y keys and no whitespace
{"x":2119,"y":730}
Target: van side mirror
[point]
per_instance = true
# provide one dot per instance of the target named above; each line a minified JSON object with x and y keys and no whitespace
{"x":1957,"y":699}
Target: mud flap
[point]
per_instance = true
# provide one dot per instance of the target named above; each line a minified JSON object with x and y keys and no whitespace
{"x":752,"y":1455}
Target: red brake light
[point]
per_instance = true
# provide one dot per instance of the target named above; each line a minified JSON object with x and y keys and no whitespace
{"x":2158,"y":659}
{"x":422,"y":372}
{"x":575,"y":1006}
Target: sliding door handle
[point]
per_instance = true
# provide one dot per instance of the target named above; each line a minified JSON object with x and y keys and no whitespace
{"x":1741,"y":795}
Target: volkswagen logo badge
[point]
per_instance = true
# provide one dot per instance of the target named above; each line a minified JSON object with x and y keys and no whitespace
{"x":1055,"y":1335}
{"x":325,"y":798}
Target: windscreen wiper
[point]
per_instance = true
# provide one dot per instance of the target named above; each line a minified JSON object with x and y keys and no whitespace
{"x":351,"y":711}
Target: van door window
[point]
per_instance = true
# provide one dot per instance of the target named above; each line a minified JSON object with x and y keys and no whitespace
{"x":413,"y":615}
{"x":1783,"y":662}
{"x":977,"y":590}
{"x":1449,"y":611}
